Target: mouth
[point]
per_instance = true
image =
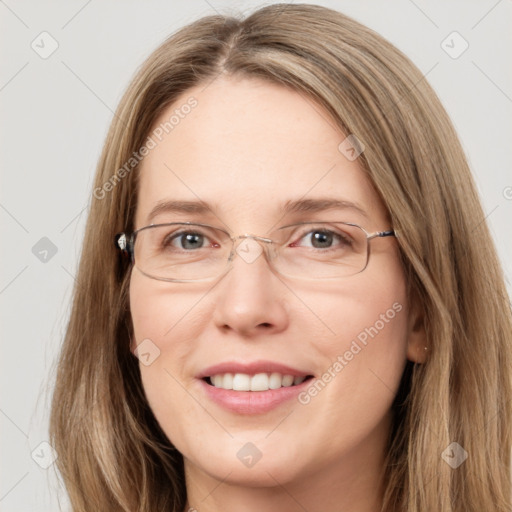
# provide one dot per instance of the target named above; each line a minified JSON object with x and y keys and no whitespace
{"x":252,"y":387}
{"x":255,"y":382}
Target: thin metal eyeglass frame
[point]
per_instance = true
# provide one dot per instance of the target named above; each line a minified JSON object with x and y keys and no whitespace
{"x":125,"y":242}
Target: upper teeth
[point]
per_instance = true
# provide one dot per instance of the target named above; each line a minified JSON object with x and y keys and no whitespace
{"x":258,"y":382}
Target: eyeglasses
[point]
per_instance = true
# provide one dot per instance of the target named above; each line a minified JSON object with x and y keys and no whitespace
{"x":186,"y":252}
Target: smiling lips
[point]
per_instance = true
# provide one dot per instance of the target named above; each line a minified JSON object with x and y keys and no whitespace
{"x":257,"y":382}
{"x":252,"y":388}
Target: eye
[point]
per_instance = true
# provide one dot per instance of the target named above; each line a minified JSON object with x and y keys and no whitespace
{"x":321,"y":238}
{"x":187,"y":240}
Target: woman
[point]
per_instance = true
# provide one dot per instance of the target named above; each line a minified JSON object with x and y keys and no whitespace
{"x":287,"y":298}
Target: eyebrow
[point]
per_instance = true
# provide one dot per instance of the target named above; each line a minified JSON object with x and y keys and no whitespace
{"x":320,"y":205}
{"x":289,"y":207}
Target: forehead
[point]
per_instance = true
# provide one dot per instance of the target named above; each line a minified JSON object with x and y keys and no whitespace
{"x":248,"y":149}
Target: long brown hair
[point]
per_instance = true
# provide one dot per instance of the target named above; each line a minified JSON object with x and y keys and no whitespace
{"x":113,"y":455}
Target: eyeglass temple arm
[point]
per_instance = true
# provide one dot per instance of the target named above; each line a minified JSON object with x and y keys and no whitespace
{"x":382,"y":234}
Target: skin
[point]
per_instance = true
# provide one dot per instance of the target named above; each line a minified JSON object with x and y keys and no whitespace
{"x":247,"y":147}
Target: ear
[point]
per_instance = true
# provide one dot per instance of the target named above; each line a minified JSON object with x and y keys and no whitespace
{"x":417,"y":339}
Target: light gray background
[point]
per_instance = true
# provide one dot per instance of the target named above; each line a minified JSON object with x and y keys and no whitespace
{"x":55,"y":113}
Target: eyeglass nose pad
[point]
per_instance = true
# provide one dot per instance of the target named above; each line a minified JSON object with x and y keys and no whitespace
{"x":250,"y":247}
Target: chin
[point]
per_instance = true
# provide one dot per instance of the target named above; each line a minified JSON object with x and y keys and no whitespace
{"x":261,"y":463}
{"x":263,"y":474}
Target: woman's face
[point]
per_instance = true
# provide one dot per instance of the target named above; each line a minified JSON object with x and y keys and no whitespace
{"x":246,"y":148}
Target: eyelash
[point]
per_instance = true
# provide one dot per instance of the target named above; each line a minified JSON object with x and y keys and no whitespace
{"x":344,"y":238}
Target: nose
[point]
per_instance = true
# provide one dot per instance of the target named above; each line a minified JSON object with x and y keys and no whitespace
{"x":250,"y":298}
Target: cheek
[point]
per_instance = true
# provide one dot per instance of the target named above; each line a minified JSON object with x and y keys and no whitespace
{"x":365,"y":354}
{"x":159,"y":311}
{"x":376,"y":321}
{"x":164,"y":327}
{"x":166,"y":322}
